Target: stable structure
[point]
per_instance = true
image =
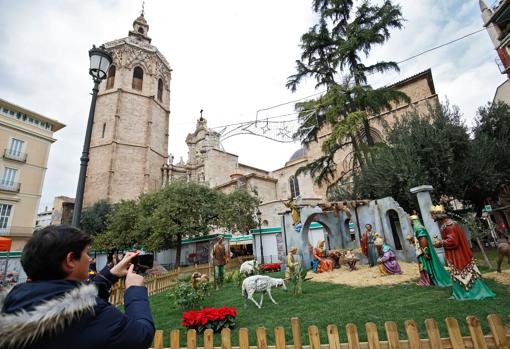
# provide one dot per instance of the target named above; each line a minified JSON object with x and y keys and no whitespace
{"x":343,"y":222}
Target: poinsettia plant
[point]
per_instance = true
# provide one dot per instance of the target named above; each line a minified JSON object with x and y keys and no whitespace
{"x":270,"y":267}
{"x":209,"y":318}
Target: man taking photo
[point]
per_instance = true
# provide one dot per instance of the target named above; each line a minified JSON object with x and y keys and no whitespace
{"x":57,"y":309}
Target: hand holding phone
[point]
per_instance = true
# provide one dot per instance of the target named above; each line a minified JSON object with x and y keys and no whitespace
{"x":121,"y":268}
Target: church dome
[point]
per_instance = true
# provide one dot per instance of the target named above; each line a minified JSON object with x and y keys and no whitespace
{"x":298,"y":154}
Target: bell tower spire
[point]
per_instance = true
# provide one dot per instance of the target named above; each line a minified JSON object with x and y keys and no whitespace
{"x":140,"y":27}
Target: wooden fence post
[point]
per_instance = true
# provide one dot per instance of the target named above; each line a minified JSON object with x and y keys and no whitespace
{"x":158,"y":340}
{"x":175,"y":339}
{"x":413,"y":335}
{"x":279,"y":337}
{"x":333,"y":337}
{"x":352,"y":336}
{"x":392,"y":334}
{"x":454,"y":333}
{"x":244,"y":342}
{"x":372,"y":336}
{"x":191,"y":339}
{"x":313,"y":337}
{"x":261,"y":338}
{"x":433,"y":334}
{"x":208,"y":339}
{"x":296,"y":333}
{"x":475,"y":330}
{"x":498,"y":331}
{"x":226,"y":342}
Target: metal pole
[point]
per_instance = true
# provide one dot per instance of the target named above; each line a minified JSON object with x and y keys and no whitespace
{"x":261,"y":247}
{"x":78,"y":203}
{"x":285,"y":234}
{"x":5,"y":269}
{"x":491,"y":229}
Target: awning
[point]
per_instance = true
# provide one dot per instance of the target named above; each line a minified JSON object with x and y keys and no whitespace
{"x":241,"y":240}
{"x":5,"y":244}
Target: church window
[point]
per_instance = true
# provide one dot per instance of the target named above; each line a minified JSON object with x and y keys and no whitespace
{"x":104,"y":129}
{"x":294,"y":186}
{"x":160,"y":90}
{"x":140,"y":30}
{"x":111,"y":77}
{"x":137,"y":78}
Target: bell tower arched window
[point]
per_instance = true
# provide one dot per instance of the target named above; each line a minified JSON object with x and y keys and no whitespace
{"x":137,"y":78}
{"x":110,"y":81}
{"x":294,"y":186}
{"x":160,"y":90}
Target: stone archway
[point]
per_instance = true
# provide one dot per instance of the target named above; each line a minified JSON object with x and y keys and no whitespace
{"x":332,"y":223}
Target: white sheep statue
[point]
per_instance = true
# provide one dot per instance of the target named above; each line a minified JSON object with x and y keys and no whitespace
{"x":248,"y":268}
{"x":260,"y":284}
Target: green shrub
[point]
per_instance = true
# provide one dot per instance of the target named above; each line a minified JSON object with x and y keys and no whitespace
{"x":204,"y":288}
{"x":186,"y":297}
{"x":237,"y":278}
{"x":228,"y":277}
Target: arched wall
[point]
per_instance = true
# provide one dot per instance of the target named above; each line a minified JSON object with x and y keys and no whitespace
{"x":375,"y":213}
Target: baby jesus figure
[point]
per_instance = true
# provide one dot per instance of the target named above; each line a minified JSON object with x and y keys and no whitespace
{"x":351,"y":260}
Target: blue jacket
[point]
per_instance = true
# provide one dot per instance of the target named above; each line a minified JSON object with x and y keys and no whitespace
{"x":61,"y":314}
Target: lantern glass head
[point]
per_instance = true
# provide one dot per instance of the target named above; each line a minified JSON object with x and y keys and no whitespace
{"x":100,"y":61}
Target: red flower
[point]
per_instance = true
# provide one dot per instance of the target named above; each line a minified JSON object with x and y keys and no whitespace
{"x":199,"y":319}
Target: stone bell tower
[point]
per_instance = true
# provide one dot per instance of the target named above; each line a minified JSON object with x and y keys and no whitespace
{"x":130,"y":133}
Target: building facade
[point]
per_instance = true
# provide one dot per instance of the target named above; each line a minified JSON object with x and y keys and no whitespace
{"x":497,"y":23}
{"x":25,"y":138}
{"x":43,"y":218}
{"x":130,"y":133}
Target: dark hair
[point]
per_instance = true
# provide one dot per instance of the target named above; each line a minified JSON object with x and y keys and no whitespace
{"x":46,"y":250}
{"x":369,"y":225}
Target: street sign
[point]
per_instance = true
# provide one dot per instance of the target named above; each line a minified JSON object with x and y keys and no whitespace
{"x":487,"y":208}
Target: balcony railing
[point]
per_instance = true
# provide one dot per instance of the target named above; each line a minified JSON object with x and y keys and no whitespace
{"x":501,"y":66}
{"x":9,"y":186}
{"x":15,"y":155}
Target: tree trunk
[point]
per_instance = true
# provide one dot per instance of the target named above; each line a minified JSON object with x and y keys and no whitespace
{"x":483,"y":252}
{"x":368,"y":135}
{"x":178,"y":251}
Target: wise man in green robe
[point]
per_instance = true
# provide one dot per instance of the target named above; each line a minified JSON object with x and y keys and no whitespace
{"x":432,"y":271}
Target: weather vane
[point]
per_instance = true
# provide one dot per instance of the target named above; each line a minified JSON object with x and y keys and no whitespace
{"x":143,"y":7}
{"x":201,"y":110}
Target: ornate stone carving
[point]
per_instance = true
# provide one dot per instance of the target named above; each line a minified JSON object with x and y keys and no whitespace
{"x":136,"y":56}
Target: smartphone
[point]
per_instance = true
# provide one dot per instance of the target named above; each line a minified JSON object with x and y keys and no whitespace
{"x":142,"y":263}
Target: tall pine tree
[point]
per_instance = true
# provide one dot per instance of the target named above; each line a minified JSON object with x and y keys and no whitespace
{"x":332,"y":53}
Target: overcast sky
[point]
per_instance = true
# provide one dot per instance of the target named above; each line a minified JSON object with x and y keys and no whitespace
{"x":229,"y":57}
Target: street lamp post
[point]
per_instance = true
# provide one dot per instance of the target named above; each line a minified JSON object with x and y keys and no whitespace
{"x":259,"y":217}
{"x":100,"y":61}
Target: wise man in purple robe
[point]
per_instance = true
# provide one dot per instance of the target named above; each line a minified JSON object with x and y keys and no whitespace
{"x":387,"y":261}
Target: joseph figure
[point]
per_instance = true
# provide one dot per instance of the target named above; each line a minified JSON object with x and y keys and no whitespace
{"x":220,"y":258}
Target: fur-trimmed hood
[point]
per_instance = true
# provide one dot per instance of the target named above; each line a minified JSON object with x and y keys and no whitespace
{"x":32,"y":310}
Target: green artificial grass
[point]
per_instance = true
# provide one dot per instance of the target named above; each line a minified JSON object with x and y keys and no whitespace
{"x":324,"y":303}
